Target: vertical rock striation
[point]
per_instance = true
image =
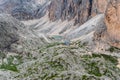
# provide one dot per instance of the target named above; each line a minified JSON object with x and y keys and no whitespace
{"x":112,"y":20}
{"x":78,"y":10}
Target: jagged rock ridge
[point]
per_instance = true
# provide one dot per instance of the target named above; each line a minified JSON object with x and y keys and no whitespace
{"x":24,"y":9}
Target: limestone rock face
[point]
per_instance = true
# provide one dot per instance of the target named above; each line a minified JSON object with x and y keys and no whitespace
{"x":9,"y":32}
{"x":79,"y":10}
{"x":112,"y":20}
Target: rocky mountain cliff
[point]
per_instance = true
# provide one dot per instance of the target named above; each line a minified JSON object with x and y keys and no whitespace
{"x":24,"y":9}
{"x":82,"y":10}
{"x":73,"y":11}
{"x":79,"y":10}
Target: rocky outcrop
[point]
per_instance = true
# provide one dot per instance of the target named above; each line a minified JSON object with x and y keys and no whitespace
{"x":112,"y":20}
{"x":9,"y":30}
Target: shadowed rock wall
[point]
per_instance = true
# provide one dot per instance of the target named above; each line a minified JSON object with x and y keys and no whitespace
{"x":79,"y":10}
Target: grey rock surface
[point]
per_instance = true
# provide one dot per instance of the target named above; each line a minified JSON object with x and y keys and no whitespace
{"x":24,"y":9}
{"x":9,"y":30}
